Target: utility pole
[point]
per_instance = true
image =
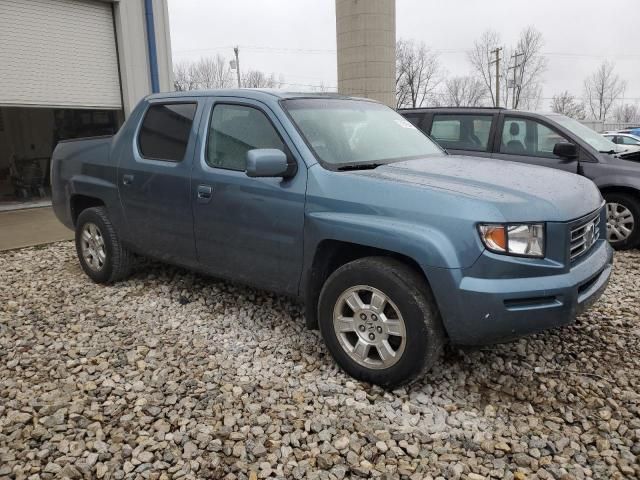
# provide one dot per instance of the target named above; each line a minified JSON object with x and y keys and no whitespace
{"x":515,"y":67}
{"x":235,"y":50}
{"x":496,"y":52}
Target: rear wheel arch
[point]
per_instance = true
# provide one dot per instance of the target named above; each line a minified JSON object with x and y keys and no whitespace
{"x":80,"y":202}
{"x":331,"y":255}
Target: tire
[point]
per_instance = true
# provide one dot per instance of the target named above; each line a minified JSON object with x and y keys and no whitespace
{"x":407,"y":292}
{"x":619,"y":204}
{"x":101,"y":255}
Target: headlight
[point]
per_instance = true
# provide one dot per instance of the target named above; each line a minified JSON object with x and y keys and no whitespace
{"x":526,"y":240}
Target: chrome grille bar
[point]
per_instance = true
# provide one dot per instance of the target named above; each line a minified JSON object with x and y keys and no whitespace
{"x":584,"y":236}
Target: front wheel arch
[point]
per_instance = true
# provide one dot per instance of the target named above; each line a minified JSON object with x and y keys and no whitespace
{"x":331,"y":255}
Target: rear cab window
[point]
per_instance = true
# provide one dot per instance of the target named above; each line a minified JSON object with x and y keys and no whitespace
{"x":462,"y":131}
{"x":165,"y":130}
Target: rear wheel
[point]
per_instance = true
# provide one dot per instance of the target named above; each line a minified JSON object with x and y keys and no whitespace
{"x":101,"y":255}
{"x":379,"y":321}
{"x":623,"y":220}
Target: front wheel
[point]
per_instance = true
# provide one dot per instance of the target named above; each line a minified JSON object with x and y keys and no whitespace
{"x":623,"y":220}
{"x":379,"y":321}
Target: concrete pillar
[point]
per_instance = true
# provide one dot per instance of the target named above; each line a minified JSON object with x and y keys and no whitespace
{"x":131,"y":37}
{"x":366,"y":37}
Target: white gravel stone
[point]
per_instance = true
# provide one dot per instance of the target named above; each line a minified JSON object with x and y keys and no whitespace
{"x":174,"y":375}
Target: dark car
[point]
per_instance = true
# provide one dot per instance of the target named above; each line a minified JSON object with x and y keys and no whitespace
{"x":551,"y":140}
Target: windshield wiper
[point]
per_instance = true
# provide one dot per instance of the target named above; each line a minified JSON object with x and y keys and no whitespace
{"x":360,"y":166}
{"x":610,"y":151}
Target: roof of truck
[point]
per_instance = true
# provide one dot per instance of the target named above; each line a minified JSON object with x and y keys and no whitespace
{"x":255,"y":93}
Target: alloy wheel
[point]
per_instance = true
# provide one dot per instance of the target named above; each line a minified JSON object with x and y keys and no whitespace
{"x":620,"y":222}
{"x":92,"y":247}
{"x":369,"y":327}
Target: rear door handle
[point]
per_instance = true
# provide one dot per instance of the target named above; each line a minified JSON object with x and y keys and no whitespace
{"x":127,"y":179}
{"x":204,"y":193}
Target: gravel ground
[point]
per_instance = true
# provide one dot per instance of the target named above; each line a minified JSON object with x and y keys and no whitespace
{"x":175,"y":375}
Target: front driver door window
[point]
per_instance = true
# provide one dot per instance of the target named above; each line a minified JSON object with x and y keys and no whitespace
{"x":527,"y":140}
{"x":236,"y":129}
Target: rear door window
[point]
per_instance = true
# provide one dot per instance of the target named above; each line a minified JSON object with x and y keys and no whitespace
{"x":164,"y":133}
{"x":462,"y":132}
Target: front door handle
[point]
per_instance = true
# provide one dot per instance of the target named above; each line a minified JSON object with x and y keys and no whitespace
{"x":204,"y":193}
{"x":127,"y":179}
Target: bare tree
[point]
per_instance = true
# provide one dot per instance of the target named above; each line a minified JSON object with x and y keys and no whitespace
{"x":215,"y":72}
{"x":568,"y":105}
{"x":182,"y":77}
{"x":533,"y":98}
{"x":602,"y":89}
{"x":528,"y":70}
{"x":480,"y":57}
{"x":627,"y":113}
{"x":212,"y":72}
{"x":402,"y":92}
{"x":417,"y":73}
{"x":464,"y":92}
{"x":258,"y":79}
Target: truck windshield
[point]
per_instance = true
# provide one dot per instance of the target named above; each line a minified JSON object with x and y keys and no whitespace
{"x":351,"y":133}
{"x":593,"y":138}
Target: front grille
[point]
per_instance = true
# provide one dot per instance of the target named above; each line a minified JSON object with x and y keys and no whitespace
{"x":584,"y":236}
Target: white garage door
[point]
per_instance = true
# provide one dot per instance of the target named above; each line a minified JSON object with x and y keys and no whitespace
{"x":58,"y":53}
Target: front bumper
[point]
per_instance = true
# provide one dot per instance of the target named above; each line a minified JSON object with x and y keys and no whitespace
{"x":479,"y":311}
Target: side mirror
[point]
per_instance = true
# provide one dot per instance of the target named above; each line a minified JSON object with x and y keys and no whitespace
{"x":565,"y":150}
{"x":267,"y":162}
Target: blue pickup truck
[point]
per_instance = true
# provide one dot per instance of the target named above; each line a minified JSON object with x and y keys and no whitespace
{"x":394,"y":246}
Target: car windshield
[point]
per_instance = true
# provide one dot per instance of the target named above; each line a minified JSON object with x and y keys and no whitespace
{"x":346,"y":133}
{"x":593,"y":138}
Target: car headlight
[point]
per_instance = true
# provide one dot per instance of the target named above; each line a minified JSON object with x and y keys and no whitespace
{"x":525,"y":240}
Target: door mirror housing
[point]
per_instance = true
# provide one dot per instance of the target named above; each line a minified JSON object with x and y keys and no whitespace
{"x":268,"y":162}
{"x":565,"y":150}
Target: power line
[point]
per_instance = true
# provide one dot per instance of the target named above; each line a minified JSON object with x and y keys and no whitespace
{"x":549,"y":54}
{"x":443,"y":51}
{"x":276,"y":50}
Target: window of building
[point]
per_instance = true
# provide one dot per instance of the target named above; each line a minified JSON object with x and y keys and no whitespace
{"x":165,"y":130}
{"x":236,"y":129}
{"x":462,"y":132}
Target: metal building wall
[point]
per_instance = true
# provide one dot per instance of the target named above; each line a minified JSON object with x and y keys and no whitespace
{"x":133,"y":49}
{"x":366,"y":38}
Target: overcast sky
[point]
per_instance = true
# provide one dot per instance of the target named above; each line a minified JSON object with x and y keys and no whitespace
{"x":296,"y":38}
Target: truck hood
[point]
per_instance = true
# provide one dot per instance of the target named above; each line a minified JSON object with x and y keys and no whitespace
{"x":519,"y":191}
